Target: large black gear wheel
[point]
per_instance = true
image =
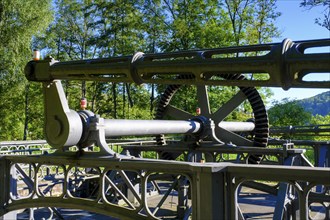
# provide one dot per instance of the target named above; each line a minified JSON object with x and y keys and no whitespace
{"x":261,"y":131}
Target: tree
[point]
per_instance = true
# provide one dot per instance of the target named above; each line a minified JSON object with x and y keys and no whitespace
{"x":262,"y":27}
{"x":117,"y":28}
{"x":252,"y":22}
{"x":19,"y":22}
{"x":97,"y":29}
{"x":309,"y":4}
{"x":77,"y":18}
{"x":288,"y":112}
{"x":121,"y":30}
{"x":34,"y":118}
{"x":211,"y":24}
{"x":321,"y":120}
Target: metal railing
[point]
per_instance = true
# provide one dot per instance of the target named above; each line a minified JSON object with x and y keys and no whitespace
{"x":206,"y":191}
{"x":24,"y":147}
{"x":140,"y":188}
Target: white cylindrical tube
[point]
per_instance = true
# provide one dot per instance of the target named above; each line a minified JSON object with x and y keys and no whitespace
{"x":36,"y":55}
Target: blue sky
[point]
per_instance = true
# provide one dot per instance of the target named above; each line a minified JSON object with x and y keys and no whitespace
{"x":297,"y":23}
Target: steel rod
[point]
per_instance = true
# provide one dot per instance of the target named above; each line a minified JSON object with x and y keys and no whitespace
{"x":123,"y":127}
{"x":237,"y":126}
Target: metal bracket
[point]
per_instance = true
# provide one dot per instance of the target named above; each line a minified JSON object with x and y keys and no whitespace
{"x":63,"y":126}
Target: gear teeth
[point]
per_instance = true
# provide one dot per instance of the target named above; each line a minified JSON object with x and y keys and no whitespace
{"x":261,"y":131}
{"x":164,"y":101}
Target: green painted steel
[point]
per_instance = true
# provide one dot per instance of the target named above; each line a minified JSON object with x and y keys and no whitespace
{"x":285,"y":65}
{"x":212,"y":187}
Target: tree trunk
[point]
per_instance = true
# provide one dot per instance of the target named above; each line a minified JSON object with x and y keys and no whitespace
{"x":129,"y":97}
{"x":152,"y":98}
{"x":26,"y":120}
{"x":124,"y":99}
{"x":114,"y":98}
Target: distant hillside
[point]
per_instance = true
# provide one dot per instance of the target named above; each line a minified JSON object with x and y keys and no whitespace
{"x":319,"y":104}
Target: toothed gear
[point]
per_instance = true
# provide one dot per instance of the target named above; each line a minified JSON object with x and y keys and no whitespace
{"x":261,"y":131}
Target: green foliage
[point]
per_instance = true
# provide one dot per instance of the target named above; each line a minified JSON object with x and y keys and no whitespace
{"x":288,"y":112}
{"x":317,"y":105}
{"x":321,"y":120}
{"x":262,"y":28}
{"x":11,"y":109}
{"x":95,"y":29}
{"x":325,"y":4}
{"x":19,"y":22}
{"x":35,"y":116}
{"x":252,"y":21}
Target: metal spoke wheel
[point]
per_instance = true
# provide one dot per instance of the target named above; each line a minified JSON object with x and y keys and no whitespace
{"x":259,"y":136}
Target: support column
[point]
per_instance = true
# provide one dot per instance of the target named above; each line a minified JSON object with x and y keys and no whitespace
{"x":209,"y":199}
{"x":5,"y":189}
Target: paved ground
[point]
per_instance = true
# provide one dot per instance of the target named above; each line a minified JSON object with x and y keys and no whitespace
{"x":256,"y":204}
